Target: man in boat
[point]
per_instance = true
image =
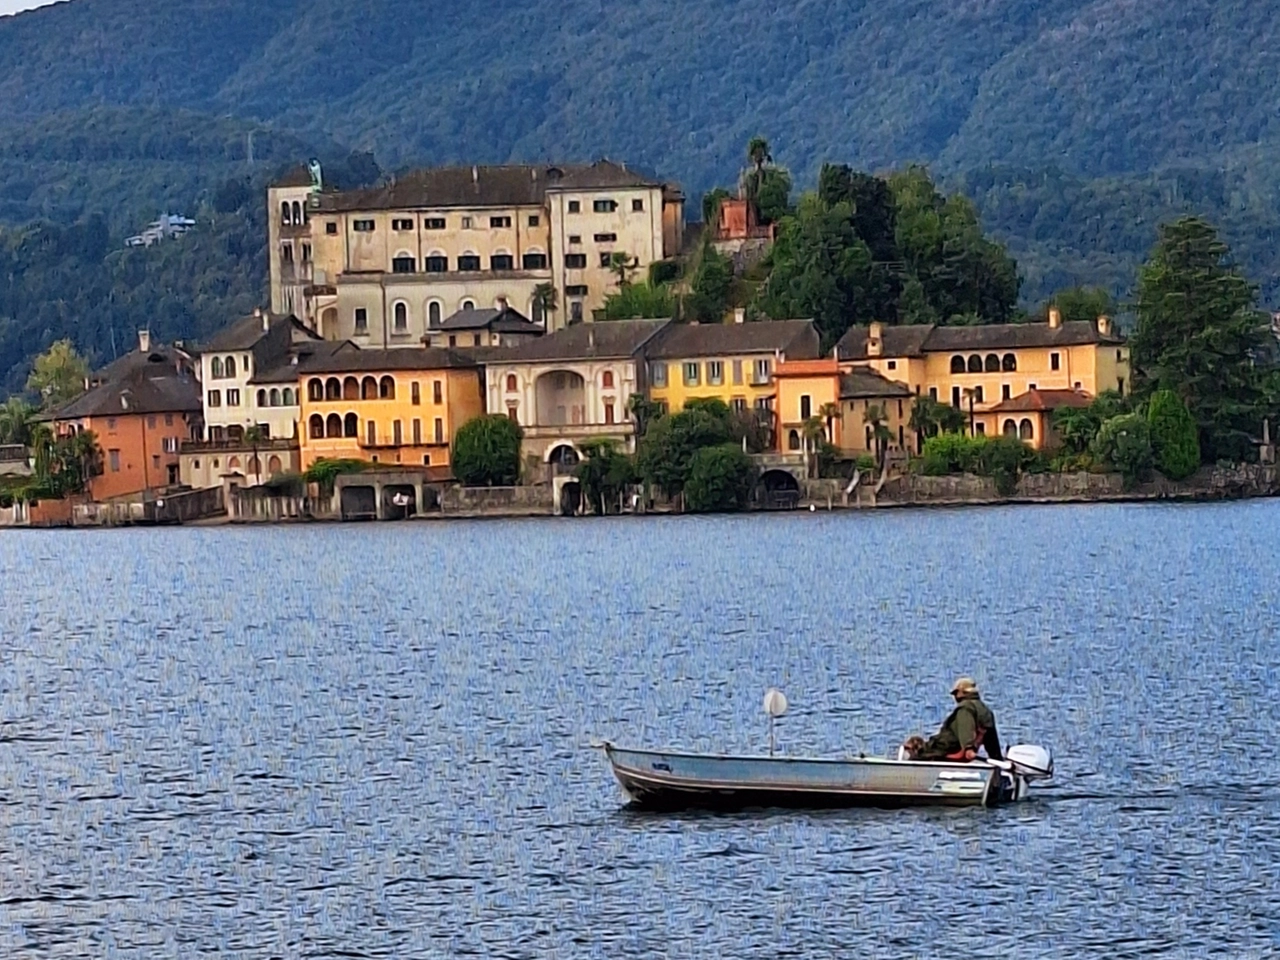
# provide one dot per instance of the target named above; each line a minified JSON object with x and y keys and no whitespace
{"x":971,"y":725}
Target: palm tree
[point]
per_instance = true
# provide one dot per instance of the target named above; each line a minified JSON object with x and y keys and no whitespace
{"x":758,"y":154}
{"x":814,"y":431}
{"x":544,"y":302}
{"x":830,"y":412}
{"x":624,"y":266}
{"x":15,"y":421}
{"x":86,"y":456}
{"x":924,"y":420}
{"x":876,"y":418}
{"x":253,"y":436}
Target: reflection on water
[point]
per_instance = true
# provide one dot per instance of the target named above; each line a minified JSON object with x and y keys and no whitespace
{"x":373,"y":741}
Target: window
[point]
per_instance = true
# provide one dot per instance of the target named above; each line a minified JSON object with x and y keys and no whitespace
{"x":574,"y":239}
{"x":214,"y":400}
{"x":606,"y":260}
{"x":286,"y":397}
{"x":637,"y":206}
{"x":306,"y":253}
{"x":691,"y":374}
{"x":453,"y":341}
{"x":433,"y":313}
{"x":892,"y":364}
{"x":575,"y":261}
{"x":233,"y":398}
{"x":761,"y":371}
{"x":606,"y":238}
{"x":574,"y":207}
{"x":513,"y":411}
{"x":215,"y":368}
{"x":957,"y":365}
{"x":534,"y":220}
{"x":608,"y":412}
{"x":229,"y":366}
{"x":415,"y":393}
{"x":169,"y":444}
{"x":151,"y":422}
{"x":1005,"y":392}
{"x":715,"y":372}
{"x":534,"y":261}
{"x":437,"y":392}
{"x":512,"y":383}
{"x":351,"y":426}
{"x":1119,"y":356}
{"x":977,"y":395}
{"x":362,"y":320}
{"x":403,"y":264}
{"x":397,"y":436}
{"x":285,"y":216}
{"x":1009,"y":364}
{"x":604,"y":206}
{"x":437,"y":263}
{"x":371,"y":433}
{"x":737,"y":372}
{"x":466,"y":223}
{"x":764,"y":404}
{"x":262,"y":398}
{"x":168,"y":419}
{"x":793,"y":440}
{"x":499,"y":223}
{"x":331,"y":228}
{"x":469,"y":262}
{"x":433,"y":223}
{"x":1120,"y":385}
{"x":806,"y":407}
{"x":468,"y":305}
{"x":402,"y":225}
{"x":362,"y":226}
{"x":1031,"y":386}
{"x":1026,"y":431}
{"x":1010,"y":428}
{"x":658,"y":374}
{"x":975,"y":364}
{"x":933,"y":394}
{"x":955,"y":397}
{"x":113,"y":457}
{"x":387,"y":389}
{"x":738,"y":404}
{"x":575,"y":311}
{"x":286,"y":252}
{"x":297,"y":213}
{"x":273,"y":397}
{"x":417,"y":432}
{"x":992,"y":363}
{"x":576,"y":290}
{"x":502,"y":261}
{"x":979,"y":426}
{"x":1055,"y":361}
{"x":475,"y":339}
{"x":606,"y":380}
{"x":401,"y":320}
{"x":439,"y":430}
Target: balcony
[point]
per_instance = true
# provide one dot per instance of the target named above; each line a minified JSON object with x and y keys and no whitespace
{"x":543,"y":431}
{"x":446,"y":276}
{"x":237,"y":446}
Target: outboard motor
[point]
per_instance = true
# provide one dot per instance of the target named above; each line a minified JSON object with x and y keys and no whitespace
{"x":1030,"y":761}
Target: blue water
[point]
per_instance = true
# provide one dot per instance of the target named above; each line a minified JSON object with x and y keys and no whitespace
{"x":374,"y":741}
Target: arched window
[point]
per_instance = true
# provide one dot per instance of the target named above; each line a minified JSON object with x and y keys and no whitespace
{"x":401,"y":316}
{"x":316,"y":426}
{"x":333,"y":389}
{"x":957,"y":364}
{"x":433,"y":313}
{"x":368,"y":389}
{"x":286,"y":396}
{"x":262,"y":398}
{"x":297,"y":212}
{"x":315,"y":390}
{"x":275,"y":397}
{"x":274,"y":466}
{"x":229,"y":366}
{"x":1011,"y":428}
{"x":285,"y":216}
{"x":333,"y":426}
{"x":1026,"y":431}
{"x":606,"y":381}
{"x":975,"y":364}
{"x":468,"y":304}
{"x":350,"y":388}
{"x":512,"y":384}
{"x":1009,"y":363}
{"x":793,"y":440}
{"x":233,"y":463}
{"x":387,"y":389}
{"x":993,"y":363}
{"x":215,"y":368}
{"x":351,"y":425}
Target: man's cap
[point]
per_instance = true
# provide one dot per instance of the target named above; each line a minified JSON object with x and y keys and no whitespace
{"x":965,"y":685}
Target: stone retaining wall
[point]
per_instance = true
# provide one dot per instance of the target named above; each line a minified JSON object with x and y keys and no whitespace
{"x":456,"y":498}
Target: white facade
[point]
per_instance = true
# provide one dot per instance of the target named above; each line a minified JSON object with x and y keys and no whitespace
{"x":232,"y":404}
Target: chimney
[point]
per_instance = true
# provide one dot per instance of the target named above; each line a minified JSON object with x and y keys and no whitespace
{"x":264,"y":317}
{"x":1055,"y":318}
{"x":502,"y":304}
{"x":591,"y":336}
{"x":475,"y":174}
{"x":1104,"y":326}
{"x":875,"y":339}
{"x":144,"y":341}
{"x":739,"y":314}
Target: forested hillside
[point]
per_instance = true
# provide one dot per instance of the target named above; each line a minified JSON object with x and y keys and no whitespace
{"x":1077,"y":126}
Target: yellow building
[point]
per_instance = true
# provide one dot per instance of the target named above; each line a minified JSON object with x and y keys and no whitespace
{"x":388,"y":406}
{"x":995,"y":370}
{"x":848,"y":403}
{"x":385,"y":266}
{"x":733,"y":362}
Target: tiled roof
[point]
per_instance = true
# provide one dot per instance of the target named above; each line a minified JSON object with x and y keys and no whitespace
{"x":157,"y":388}
{"x":284,"y":370}
{"x":798,"y":339}
{"x":136,"y":360}
{"x":244,"y":334}
{"x":608,"y":339}
{"x":861,"y":383}
{"x":1042,"y":400}
{"x":352,"y":360}
{"x":917,"y":340}
{"x":499,"y":321}
{"x":298,"y":176}
{"x":483,"y":186}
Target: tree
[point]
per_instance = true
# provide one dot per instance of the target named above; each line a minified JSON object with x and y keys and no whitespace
{"x":254,"y":436}
{"x":711,"y":201}
{"x":545,"y":302}
{"x":767,"y":186}
{"x":830,"y":413}
{"x":712,"y":285}
{"x":926,"y":419}
{"x":486,"y":452}
{"x":643,"y":411}
{"x":878,"y":420}
{"x":624,"y":266}
{"x":1199,"y":334}
{"x":58,"y":375}
{"x":666,"y":452}
{"x":1124,"y":442}
{"x":16,"y":421}
{"x":639,"y":301}
{"x":326,"y":470}
{"x":1175,"y":440}
{"x":605,"y":473}
{"x":1077,"y":427}
{"x":720,"y":479}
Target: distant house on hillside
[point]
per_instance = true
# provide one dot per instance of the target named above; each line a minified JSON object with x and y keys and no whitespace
{"x":166,"y":227}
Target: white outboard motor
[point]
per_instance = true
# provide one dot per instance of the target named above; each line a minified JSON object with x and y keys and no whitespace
{"x":1030,"y":761}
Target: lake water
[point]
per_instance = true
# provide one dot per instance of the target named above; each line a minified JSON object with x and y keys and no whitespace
{"x":374,"y":741}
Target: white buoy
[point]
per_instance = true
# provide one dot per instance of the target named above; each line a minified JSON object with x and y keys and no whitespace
{"x":775,"y":705}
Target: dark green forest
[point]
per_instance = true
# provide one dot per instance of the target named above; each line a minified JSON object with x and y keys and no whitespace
{"x":1076,"y":127}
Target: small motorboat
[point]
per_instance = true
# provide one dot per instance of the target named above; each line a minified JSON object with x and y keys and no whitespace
{"x":670,"y":780}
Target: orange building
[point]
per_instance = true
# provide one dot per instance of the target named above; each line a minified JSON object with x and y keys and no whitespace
{"x":140,"y":410}
{"x":847,"y":403}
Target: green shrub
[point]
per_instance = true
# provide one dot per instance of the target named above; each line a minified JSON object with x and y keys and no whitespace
{"x":1175,"y":439}
{"x":952,"y":453}
{"x":866,"y":463}
{"x":1004,"y":459}
{"x":486,"y":452}
{"x":325,"y":471}
{"x":720,"y":479}
{"x":1124,"y":442}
